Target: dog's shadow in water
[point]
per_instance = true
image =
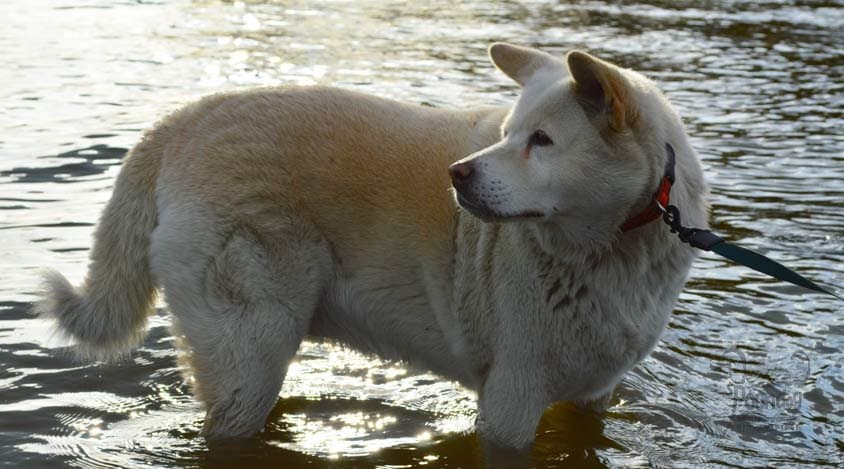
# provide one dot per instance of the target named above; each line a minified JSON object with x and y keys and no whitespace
{"x":566,"y":437}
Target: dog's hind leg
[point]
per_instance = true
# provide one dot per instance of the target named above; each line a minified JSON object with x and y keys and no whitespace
{"x":258,"y":296}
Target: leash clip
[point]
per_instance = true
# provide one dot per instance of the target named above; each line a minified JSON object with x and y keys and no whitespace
{"x":695,"y":237}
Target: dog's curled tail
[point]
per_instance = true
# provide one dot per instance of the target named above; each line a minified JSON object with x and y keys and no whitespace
{"x":107,"y":315}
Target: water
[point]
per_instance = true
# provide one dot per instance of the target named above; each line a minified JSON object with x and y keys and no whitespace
{"x":749,"y":372}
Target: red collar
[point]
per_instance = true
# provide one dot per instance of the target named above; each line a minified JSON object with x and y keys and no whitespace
{"x":660,"y":199}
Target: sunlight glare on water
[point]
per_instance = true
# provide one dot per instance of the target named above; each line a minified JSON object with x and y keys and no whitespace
{"x":749,"y":372}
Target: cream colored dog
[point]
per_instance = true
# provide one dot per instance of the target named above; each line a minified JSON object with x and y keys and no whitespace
{"x":273,"y":214}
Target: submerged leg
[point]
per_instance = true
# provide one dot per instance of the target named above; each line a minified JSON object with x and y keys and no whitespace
{"x":510,"y":406}
{"x":241,"y":334}
{"x":598,"y":405}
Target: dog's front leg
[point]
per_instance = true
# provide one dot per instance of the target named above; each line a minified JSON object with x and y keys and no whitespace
{"x":597,"y":405}
{"x":510,"y":405}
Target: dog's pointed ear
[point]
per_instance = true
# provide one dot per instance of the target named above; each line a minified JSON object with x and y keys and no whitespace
{"x":602,"y":89}
{"x":521,"y":63}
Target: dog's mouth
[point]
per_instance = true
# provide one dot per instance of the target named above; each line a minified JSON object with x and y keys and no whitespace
{"x":490,"y":215}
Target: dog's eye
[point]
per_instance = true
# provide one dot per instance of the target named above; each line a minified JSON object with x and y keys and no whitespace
{"x":540,"y":139}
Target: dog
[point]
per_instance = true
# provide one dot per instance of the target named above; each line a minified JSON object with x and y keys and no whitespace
{"x":486,"y":245}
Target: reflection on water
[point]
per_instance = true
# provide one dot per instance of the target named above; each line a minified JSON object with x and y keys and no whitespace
{"x":748,"y":373}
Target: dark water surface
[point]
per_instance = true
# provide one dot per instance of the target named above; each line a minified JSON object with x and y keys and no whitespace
{"x":749,"y":372}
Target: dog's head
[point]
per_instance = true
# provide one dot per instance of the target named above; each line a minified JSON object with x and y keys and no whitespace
{"x":582,"y":147}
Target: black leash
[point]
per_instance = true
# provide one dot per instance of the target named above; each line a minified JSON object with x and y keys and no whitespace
{"x":708,"y":241}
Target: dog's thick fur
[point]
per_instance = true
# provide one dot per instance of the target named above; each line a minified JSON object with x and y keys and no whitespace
{"x":273,"y":214}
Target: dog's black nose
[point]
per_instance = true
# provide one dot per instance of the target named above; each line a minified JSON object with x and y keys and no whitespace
{"x":461,"y":173}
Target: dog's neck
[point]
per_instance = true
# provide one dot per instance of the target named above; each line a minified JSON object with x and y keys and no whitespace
{"x":645,"y":244}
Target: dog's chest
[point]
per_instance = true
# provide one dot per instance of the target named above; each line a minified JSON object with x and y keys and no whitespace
{"x":581,"y":324}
